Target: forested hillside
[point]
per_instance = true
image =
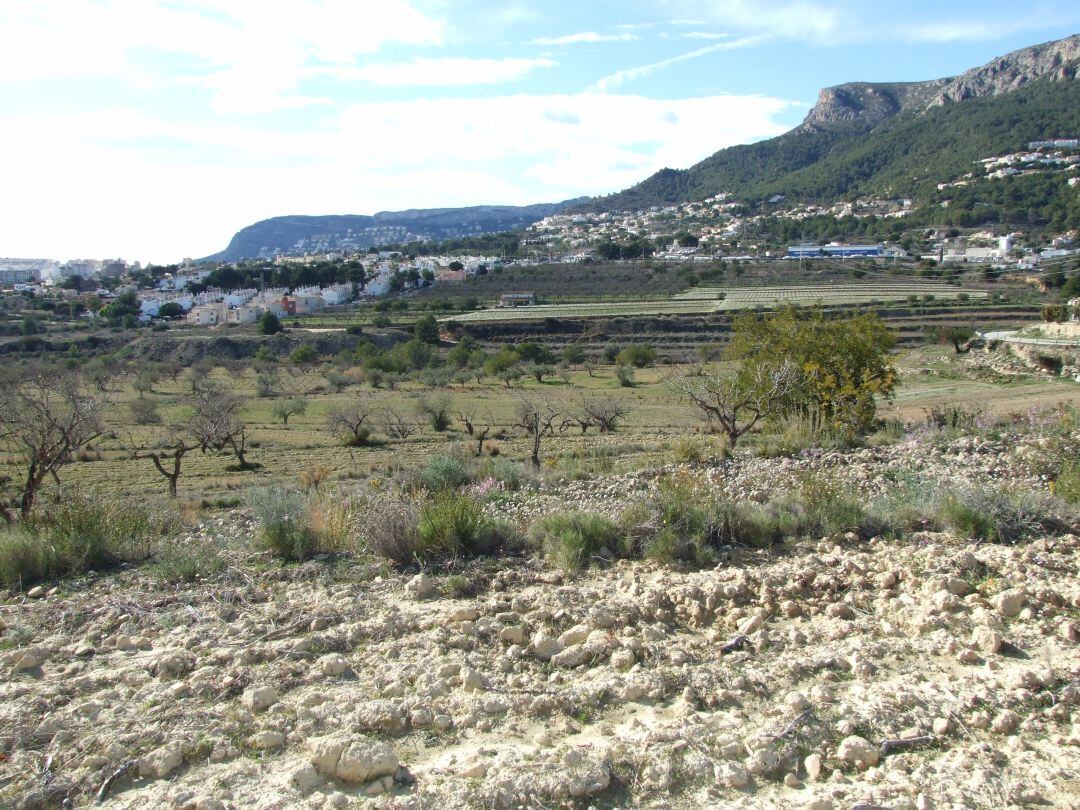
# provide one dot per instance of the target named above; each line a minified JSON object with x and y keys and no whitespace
{"x":907,"y":155}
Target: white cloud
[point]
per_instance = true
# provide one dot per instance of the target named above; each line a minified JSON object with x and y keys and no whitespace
{"x":585,"y":37}
{"x":704,"y":35}
{"x":446,"y":72}
{"x":792,"y":19}
{"x":125,"y":183}
{"x":252,"y":54}
{"x":621,"y":77}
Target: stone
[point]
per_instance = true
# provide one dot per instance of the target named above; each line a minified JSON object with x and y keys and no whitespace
{"x":942,"y":726}
{"x":259,"y":698}
{"x":1009,"y":603}
{"x":472,"y":681}
{"x":160,"y":762}
{"x":752,"y":622}
{"x":544,"y":646}
{"x":813,"y":767}
{"x":267,"y":740}
{"x":512,"y":635}
{"x":420,"y":587}
{"x":1005,"y":723}
{"x":572,"y":657}
{"x":763,"y":761}
{"x":857,"y":752}
{"x":464,"y":614}
{"x":305,"y":778}
{"x":27,"y":658}
{"x":575,"y":635}
{"x":791,"y":780}
{"x":732,"y":775}
{"x":352,"y":758}
{"x":36,"y":592}
{"x":988,"y":641}
{"x":623,"y":659}
{"x":333,"y":665}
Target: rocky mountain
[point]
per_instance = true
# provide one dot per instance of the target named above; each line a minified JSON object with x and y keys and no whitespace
{"x":888,"y":137}
{"x":314,"y":234}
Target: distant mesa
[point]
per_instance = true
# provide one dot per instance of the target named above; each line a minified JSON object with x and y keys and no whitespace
{"x":291,"y":235}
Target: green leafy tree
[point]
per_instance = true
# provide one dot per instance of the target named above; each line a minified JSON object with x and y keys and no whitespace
{"x":269,"y":324}
{"x":427,"y":329}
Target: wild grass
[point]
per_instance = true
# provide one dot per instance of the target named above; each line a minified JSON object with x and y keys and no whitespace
{"x":80,"y":534}
{"x":573,"y":540}
{"x":294,"y":525}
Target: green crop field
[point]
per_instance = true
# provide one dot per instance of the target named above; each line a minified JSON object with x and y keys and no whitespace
{"x":707,"y":300}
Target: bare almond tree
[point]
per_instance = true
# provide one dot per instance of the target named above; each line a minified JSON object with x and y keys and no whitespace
{"x":350,"y":423}
{"x":168,"y":455}
{"x":539,"y":419}
{"x":397,"y":425}
{"x":739,"y":400}
{"x":605,"y":412}
{"x":46,"y":417}
{"x":216,"y":421}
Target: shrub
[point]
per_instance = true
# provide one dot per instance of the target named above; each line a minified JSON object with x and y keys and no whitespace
{"x":77,"y":535}
{"x":444,"y":472}
{"x":687,"y":450}
{"x":1067,"y":485}
{"x":144,"y":412}
{"x":450,"y":526}
{"x":572,"y":540}
{"x":743,"y":523}
{"x":825,"y":507}
{"x":672,"y":525}
{"x":625,"y":375}
{"x":24,"y":558}
{"x":285,"y":527}
{"x":390,"y":529}
{"x":638,"y":356}
{"x":997,"y":515}
{"x":437,"y":410}
{"x":354,"y":329}
{"x":304,"y":355}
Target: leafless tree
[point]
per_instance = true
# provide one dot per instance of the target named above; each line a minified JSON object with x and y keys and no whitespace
{"x":539,"y":419}
{"x":739,"y":400}
{"x":480,"y":426}
{"x":467,"y":417}
{"x":397,"y":425}
{"x":349,"y":423}
{"x":170,"y":450}
{"x":46,"y":417}
{"x":216,"y":421}
{"x":605,"y":413}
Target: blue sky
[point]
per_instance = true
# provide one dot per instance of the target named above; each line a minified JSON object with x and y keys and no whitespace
{"x":154,"y":129}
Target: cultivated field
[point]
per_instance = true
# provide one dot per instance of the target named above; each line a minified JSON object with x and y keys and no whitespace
{"x":707,"y":300}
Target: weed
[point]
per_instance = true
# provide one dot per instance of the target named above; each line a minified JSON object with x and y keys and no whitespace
{"x":572,"y":540}
{"x":390,"y":530}
{"x":286,"y":530}
{"x":188,"y":562}
{"x":444,"y":472}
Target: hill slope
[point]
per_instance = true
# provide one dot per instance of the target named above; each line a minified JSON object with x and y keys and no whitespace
{"x":898,"y":138}
{"x":301,"y":234}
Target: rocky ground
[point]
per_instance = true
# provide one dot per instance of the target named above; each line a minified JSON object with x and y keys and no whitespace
{"x":834,"y":673}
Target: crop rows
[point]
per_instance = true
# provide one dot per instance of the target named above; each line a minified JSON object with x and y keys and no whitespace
{"x":706,"y":300}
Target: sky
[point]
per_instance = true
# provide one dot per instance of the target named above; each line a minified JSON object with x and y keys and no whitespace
{"x":154,"y":129}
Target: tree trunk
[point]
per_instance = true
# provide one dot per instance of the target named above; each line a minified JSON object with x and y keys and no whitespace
{"x":33,"y":480}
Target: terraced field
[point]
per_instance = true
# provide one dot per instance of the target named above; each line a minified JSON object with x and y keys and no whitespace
{"x":707,"y":300}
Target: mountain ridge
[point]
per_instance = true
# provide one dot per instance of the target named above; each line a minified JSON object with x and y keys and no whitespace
{"x":294,"y":233}
{"x":843,"y":117}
